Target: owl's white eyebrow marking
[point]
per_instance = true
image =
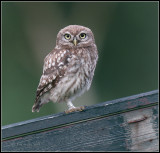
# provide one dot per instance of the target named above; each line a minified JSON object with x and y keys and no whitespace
{"x":67,"y":32}
{"x":83,"y":32}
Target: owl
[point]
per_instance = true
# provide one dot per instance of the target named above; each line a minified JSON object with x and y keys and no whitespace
{"x":68,"y":69}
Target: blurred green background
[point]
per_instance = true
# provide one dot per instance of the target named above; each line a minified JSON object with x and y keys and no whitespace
{"x":126,"y":35}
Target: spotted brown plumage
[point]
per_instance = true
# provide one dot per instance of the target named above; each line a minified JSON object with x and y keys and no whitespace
{"x":68,"y":70}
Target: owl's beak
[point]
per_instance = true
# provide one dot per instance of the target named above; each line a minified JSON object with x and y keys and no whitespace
{"x":75,"y":42}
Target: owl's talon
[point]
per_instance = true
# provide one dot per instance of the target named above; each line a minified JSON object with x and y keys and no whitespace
{"x":69,"y":110}
{"x":81,"y":108}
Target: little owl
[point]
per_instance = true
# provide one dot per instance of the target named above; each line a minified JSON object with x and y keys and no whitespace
{"x":68,"y":69}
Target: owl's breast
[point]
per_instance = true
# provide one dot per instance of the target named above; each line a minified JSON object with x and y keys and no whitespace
{"x":77,"y":77}
{"x":88,"y":58}
{"x":74,"y":83}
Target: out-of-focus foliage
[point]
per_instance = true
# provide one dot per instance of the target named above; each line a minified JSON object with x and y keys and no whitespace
{"x":126,"y":35}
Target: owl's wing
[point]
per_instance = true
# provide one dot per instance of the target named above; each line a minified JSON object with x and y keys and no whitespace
{"x":55,"y":65}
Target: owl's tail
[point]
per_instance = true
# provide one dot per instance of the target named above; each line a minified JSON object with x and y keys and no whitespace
{"x":36,"y":106}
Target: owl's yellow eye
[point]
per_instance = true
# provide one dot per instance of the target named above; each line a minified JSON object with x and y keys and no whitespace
{"x":67,"y":36}
{"x":82,"y":35}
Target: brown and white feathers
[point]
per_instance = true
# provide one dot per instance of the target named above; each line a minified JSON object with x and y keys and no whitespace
{"x":69,"y":68}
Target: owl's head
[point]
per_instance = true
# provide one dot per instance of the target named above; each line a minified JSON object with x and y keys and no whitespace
{"x":75,"y":36}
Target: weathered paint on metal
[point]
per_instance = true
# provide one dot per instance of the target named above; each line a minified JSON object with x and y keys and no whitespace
{"x":126,"y":124}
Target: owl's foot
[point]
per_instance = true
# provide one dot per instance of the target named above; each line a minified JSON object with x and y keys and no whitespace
{"x":74,"y":109}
